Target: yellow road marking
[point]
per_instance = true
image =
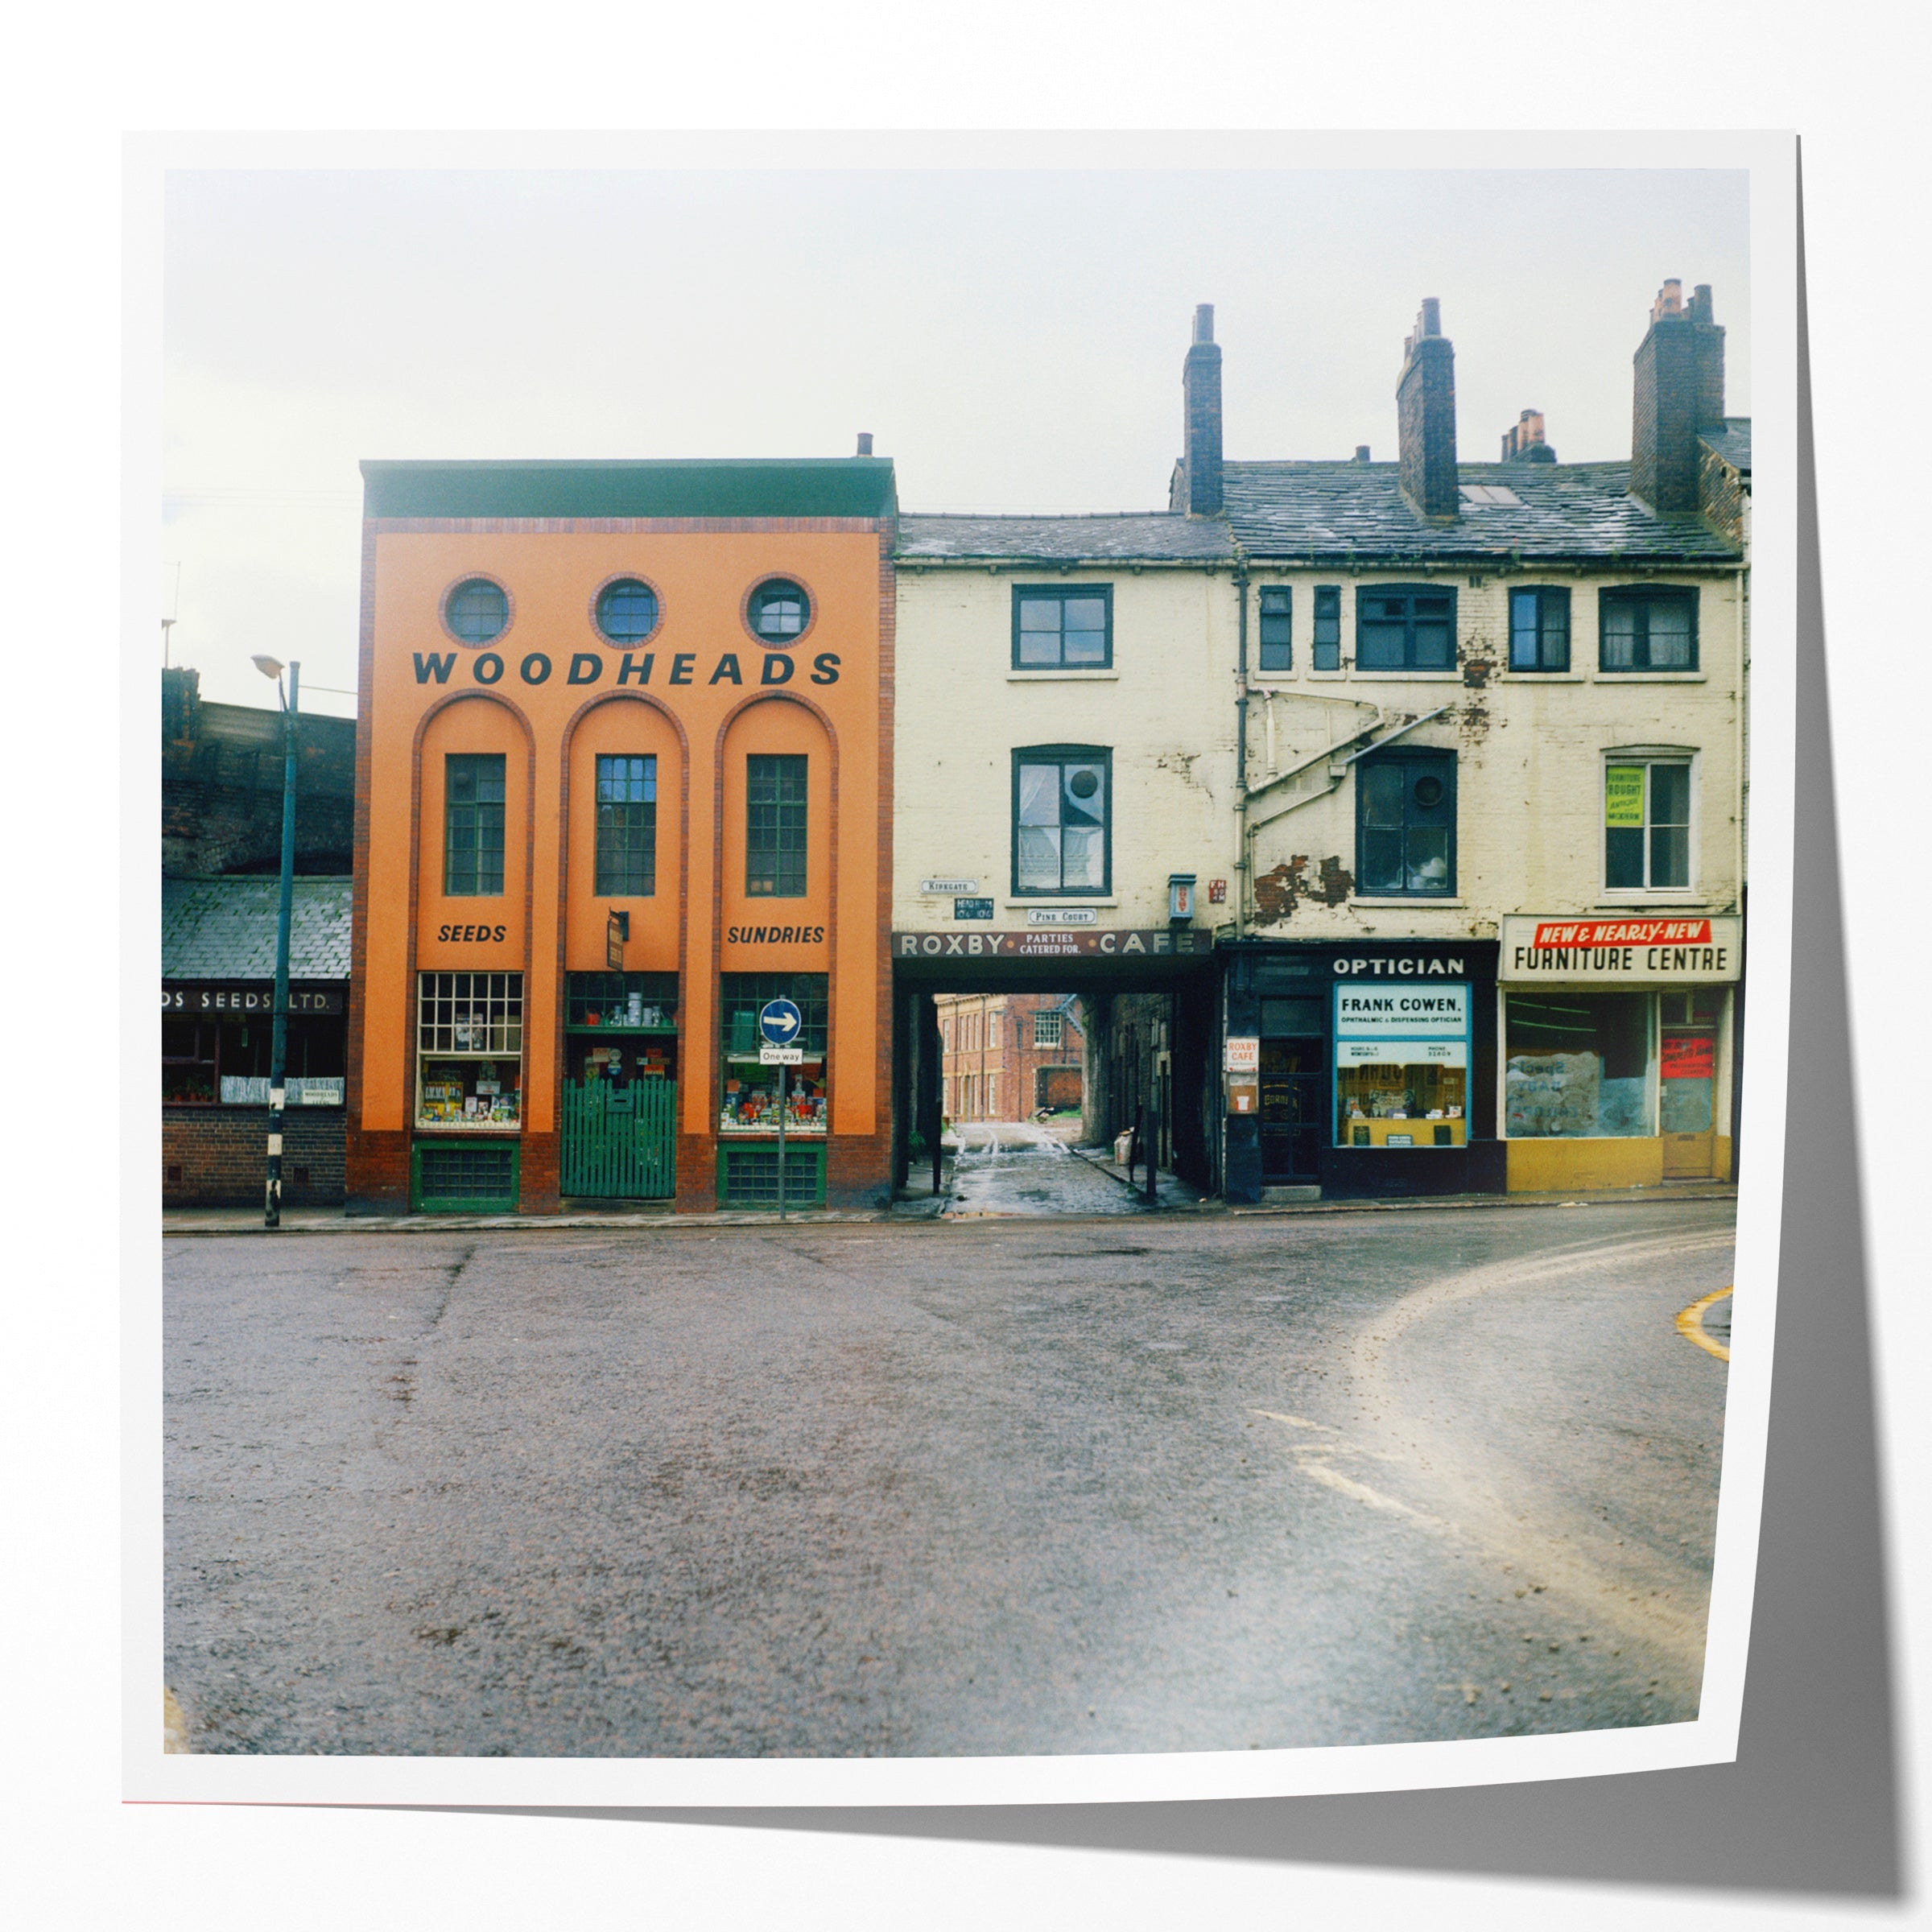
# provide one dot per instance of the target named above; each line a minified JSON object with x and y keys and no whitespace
{"x":1361,"y":1492}
{"x":174,"y":1726}
{"x":1690,"y":1325}
{"x":1295,"y":1422}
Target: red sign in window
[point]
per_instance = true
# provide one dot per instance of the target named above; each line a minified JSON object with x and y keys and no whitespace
{"x":1690,"y":1056}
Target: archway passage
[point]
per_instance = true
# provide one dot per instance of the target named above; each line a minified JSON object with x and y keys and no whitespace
{"x":976,"y":1058}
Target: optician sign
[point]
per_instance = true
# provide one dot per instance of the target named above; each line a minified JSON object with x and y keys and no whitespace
{"x":1626,"y":951}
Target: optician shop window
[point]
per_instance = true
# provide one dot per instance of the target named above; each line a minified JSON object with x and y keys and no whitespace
{"x":1401,"y":1064}
{"x":1577,"y":1066}
{"x":1647,"y":824}
{"x":749,"y":1089}
{"x":469,"y":1049}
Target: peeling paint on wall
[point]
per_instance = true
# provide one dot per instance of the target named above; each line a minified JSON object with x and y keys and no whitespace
{"x":1276,"y":893}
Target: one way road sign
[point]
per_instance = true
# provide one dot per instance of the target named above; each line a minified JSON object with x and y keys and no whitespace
{"x":780,"y":1022}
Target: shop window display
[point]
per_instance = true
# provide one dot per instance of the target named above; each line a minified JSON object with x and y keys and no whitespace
{"x":1401,"y":1056}
{"x":469,"y":1047}
{"x":748,"y":1089}
{"x":1578,"y":1067}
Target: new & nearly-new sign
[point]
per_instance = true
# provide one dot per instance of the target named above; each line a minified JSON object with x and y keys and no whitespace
{"x":1628,"y":951}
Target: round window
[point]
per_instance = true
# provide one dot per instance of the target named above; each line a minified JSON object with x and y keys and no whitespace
{"x":627,"y":611}
{"x":1428,"y":792}
{"x":477,"y":610}
{"x":780,"y":612}
{"x":1083,"y":784}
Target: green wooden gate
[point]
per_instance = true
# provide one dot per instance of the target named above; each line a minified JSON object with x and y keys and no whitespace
{"x":620,"y":1142}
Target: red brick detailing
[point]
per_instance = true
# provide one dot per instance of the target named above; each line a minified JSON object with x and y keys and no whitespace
{"x":538,"y":1172}
{"x":379,"y":1163}
{"x":697,"y":1173}
{"x":217,"y":1157}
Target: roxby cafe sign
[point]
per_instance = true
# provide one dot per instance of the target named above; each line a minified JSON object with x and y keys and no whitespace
{"x":1638,"y":951}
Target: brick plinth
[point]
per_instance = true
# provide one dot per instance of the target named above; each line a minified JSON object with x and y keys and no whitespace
{"x":216,"y":1157}
{"x":377,"y":1172}
{"x":858,"y":1169}
{"x":697,"y":1173}
{"x":539,"y":1180}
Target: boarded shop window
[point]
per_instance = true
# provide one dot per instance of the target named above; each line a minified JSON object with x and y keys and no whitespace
{"x":1578,"y":1065}
{"x":627,"y":827}
{"x":774,"y":825}
{"x":1405,"y":824}
{"x":1647,"y":630}
{"x":1647,"y":825}
{"x":473,"y":841}
{"x":1276,"y":635}
{"x":1056,"y":627}
{"x":1061,"y":820}
{"x":1539,"y":630}
{"x":1327,"y":627}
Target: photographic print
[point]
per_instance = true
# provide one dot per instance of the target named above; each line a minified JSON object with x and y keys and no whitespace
{"x":972,"y":964}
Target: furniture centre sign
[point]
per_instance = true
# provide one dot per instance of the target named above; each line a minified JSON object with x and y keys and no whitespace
{"x":1630,"y":950}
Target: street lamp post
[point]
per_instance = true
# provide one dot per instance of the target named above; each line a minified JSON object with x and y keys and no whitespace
{"x":271,"y":667}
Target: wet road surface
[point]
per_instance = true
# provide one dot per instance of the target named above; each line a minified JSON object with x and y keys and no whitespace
{"x":1008,"y":1486}
{"x":1017,"y":1167}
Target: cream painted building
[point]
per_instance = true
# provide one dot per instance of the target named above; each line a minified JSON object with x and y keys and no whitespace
{"x":1349,"y":729}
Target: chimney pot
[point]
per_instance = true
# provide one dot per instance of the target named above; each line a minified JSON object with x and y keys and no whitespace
{"x":1430,"y":323}
{"x":864,"y":442}
{"x":1204,"y":321}
{"x":1678,"y":392}
{"x":1361,"y":452}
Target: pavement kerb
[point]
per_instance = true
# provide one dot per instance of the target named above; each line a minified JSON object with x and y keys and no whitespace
{"x":179,"y":1228}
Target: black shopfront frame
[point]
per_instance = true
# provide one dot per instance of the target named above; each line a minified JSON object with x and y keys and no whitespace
{"x":1261,"y":970}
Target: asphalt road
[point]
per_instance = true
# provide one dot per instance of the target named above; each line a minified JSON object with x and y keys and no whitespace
{"x":980,"y":1487}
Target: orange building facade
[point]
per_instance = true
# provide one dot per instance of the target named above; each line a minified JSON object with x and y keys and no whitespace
{"x":625,"y":732}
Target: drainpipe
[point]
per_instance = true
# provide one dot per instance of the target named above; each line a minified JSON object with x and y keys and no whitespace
{"x":1240,"y":751}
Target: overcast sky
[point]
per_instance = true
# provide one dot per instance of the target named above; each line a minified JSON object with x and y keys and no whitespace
{"x":1013,"y":339}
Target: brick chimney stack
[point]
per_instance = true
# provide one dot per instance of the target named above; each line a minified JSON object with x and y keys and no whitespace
{"x":1425,"y":410}
{"x":1523,"y":441}
{"x":1199,"y":484}
{"x":1678,"y":391}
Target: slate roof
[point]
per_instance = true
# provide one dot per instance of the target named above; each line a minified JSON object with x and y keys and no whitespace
{"x":1153,"y":536}
{"x":224,"y":928}
{"x":1355,"y":511}
{"x":1732,"y":442}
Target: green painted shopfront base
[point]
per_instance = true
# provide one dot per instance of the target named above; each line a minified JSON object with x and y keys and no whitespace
{"x":463,"y":1176}
{"x":748,"y":1176}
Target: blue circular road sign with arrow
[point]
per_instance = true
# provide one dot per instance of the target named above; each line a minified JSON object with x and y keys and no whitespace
{"x":780,"y":1022}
